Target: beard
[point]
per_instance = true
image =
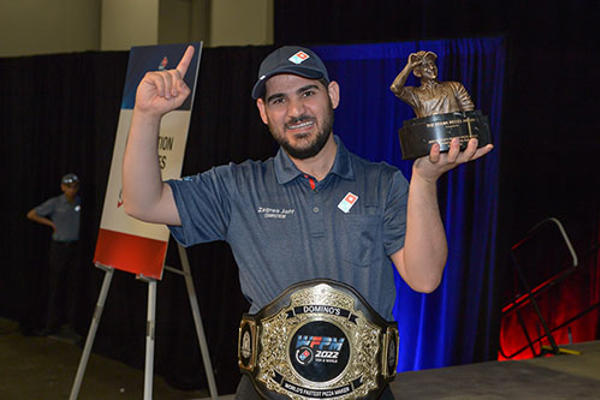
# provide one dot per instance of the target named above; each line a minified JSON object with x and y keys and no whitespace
{"x":316,"y":145}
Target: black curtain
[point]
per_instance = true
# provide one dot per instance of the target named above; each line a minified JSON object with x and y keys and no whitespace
{"x":59,"y":113}
{"x":549,"y":136}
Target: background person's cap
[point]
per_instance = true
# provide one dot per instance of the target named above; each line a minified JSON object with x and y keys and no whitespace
{"x":289,"y":60}
{"x":69,"y":178}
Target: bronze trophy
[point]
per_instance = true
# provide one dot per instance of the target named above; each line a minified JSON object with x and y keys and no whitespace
{"x":443,"y":110}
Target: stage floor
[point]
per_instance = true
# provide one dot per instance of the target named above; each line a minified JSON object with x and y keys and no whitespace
{"x":558,"y":377}
{"x":563,"y":377}
{"x":44,"y":368}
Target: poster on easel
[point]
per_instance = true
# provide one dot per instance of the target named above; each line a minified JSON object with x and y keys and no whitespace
{"x":125,"y":243}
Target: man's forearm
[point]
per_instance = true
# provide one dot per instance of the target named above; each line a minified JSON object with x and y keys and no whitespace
{"x":32,"y":215}
{"x":142,"y":182}
{"x":422,"y":259}
{"x":145,"y":196}
{"x":425,"y":247}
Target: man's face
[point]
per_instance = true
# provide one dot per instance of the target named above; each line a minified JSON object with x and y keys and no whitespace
{"x":299,"y":113}
{"x":428,"y":69}
{"x":70,"y":189}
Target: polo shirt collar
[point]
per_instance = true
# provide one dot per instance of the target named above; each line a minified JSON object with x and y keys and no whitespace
{"x":286,"y":170}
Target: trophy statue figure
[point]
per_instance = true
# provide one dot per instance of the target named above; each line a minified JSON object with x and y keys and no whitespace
{"x":443,"y":110}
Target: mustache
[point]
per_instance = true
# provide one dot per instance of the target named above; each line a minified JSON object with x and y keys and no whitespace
{"x":296,"y":120}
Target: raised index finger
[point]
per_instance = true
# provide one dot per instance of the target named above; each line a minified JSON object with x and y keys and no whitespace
{"x":184,"y":63}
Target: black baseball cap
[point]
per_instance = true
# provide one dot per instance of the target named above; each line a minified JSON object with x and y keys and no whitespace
{"x":69,"y":178}
{"x":289,"y":60}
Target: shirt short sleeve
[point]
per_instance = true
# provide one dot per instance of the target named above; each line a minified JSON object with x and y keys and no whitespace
{"x":462,"y":97}
{"x":203,"y":203}
{"x":46,"y":208}
{"x":407,"y":94}
{"x":394,"y":218}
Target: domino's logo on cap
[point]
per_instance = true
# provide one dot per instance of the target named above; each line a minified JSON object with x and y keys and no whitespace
{"x":299,"y":57}
{"x":289,"y":60}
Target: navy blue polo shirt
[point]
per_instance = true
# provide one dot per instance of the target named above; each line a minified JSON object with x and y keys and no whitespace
{"x":284,"y":227}
{"x":65,"y":216}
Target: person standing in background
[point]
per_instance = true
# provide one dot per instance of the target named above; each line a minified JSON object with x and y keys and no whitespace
{"x":62,"y":214}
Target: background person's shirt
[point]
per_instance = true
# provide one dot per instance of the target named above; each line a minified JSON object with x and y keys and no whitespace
{"x":65,"y":216}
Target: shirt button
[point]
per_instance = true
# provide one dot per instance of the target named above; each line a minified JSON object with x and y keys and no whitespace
{"x":316,"y":210}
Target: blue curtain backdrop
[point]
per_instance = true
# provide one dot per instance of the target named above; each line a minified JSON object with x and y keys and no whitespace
{"x":441,"y":328}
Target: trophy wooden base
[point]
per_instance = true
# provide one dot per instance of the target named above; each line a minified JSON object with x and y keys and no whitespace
{"x":417,"y":135}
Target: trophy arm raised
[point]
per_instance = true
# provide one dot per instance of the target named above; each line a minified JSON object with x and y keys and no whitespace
{"x":397,"y":87}
{"x":405,"y":93}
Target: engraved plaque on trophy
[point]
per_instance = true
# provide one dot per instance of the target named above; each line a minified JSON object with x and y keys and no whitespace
{"x":444,"y":110}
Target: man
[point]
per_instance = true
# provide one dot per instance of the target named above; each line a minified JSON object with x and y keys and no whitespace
{"x":313,"y":211}
{"x":432,"y":97}
{"x":62,"y":214}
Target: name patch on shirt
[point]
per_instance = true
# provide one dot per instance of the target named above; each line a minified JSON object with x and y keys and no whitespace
{"x":277,"y":213}
{"x":347,"y":202}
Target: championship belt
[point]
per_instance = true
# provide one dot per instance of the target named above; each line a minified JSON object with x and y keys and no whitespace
{"x":318,"y":339}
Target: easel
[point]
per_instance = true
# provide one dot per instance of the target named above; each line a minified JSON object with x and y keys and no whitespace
{"x":150,"y":326}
